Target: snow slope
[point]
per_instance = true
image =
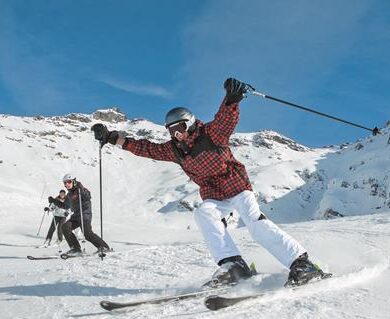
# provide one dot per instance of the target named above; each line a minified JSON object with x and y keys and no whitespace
{"x":148,"y":209}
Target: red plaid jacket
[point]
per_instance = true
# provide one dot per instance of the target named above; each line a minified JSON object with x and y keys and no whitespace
{"x":214,"y":169}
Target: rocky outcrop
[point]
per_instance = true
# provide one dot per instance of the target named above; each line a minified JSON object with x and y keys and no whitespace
{"x":112,"y":115}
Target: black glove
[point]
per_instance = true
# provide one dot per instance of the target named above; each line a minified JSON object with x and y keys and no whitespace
{"x":51,"y":199}
{"x":103,"y":135}
{"x":46,"y":209}
{"x":235,"y":91}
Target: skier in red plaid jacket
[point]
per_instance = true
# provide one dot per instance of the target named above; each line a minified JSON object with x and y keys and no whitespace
{"x":218,"y":174}
{"x":203,"y":152}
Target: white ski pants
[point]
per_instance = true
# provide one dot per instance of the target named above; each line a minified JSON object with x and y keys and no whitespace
{"x":208,"y":218}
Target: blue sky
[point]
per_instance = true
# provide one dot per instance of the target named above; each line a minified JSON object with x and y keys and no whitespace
{"x":58,"y":57}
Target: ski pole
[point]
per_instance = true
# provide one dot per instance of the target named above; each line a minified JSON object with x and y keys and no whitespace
{"x":56,"y":225}
{"x":82,"y":219}
{"x":39,"y":229}
{"x":101,"y":253}
{"x":251,"y":90}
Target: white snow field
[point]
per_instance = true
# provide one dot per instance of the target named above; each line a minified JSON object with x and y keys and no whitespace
{"x":148,"y":209}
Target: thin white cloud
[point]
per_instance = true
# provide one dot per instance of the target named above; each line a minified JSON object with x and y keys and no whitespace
{"x":140,"y":89}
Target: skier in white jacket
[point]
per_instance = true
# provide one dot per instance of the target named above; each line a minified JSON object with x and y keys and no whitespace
{"x":59,"y":218}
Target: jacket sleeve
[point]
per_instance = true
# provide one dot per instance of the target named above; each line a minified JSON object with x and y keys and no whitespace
{"x":67,"y":203}
{"x":85,"y":200}
{"x":85,"y":194}
{"x":145,"y":148}
{"x":222,"y":127}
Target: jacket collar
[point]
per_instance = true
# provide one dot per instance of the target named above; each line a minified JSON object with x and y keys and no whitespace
{"x":189,"y":143}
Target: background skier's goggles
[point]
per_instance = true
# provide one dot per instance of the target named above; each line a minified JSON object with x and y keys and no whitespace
{"x":177,"y":128}
{"x":68,"y":182}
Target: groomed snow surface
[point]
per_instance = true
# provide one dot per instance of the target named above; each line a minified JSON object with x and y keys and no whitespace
{"x":158,"y":250}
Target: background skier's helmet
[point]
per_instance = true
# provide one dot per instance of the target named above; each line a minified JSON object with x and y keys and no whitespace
{"x":68,"y":177}
{"x":180,"y":114}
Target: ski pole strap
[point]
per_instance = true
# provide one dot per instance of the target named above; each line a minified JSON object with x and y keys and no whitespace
{"x":374,"y":131}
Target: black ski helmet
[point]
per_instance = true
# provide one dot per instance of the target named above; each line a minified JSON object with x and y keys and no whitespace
{"x":179,"y":114}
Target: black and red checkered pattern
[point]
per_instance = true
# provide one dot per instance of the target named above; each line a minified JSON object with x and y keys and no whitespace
{"x":219,"y":174}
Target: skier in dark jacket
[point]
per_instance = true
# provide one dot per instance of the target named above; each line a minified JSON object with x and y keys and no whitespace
{"x":78,"y":199}
{"x":203,"y":152}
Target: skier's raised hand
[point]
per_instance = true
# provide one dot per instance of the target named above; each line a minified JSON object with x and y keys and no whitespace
{"x":103,"y":135}
{"x":235,"y":90}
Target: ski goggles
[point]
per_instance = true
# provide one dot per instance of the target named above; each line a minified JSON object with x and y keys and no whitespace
{"x":178,"y":129}
{"x":68,"y":182}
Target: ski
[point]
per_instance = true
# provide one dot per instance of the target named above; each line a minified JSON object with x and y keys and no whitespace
{"x":42,"y":257}
{"x":111,"y":305}
{"x":85,"y":254}
{"x":82,"y":255}
{"x":204,"y":290}
{"x":62,"y":256}
{"x":216,"y":302}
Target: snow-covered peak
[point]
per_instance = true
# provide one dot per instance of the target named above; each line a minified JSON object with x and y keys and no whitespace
{"x":268,"y":139}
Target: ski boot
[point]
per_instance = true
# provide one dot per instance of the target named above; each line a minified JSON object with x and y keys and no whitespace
{"x":73,"y":252}
{"x":231,"y":271}
{"x":302,"y":270}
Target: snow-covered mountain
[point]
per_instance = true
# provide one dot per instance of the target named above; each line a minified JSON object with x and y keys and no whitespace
{"x":148,"y":207}
{"x":292,"y":182}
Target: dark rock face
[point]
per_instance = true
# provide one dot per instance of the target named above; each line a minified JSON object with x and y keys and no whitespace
{"x":78,"y":117}
{"x":113,"y":115}
{"x":267,"y":139}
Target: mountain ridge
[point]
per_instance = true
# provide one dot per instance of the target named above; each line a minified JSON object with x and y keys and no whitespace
{"x":292,"y":182}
